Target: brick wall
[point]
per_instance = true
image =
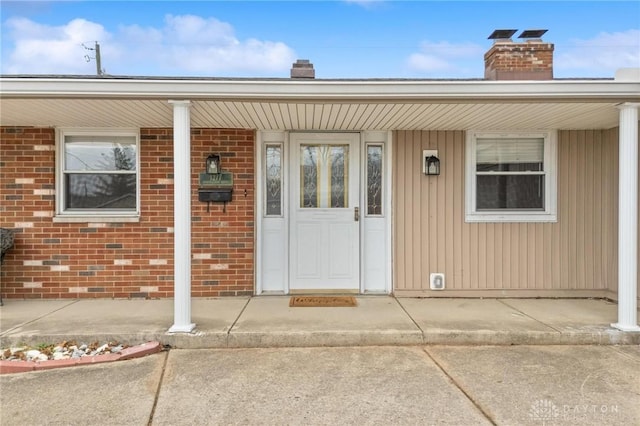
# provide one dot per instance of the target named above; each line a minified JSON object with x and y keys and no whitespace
{"x":121,"y":260}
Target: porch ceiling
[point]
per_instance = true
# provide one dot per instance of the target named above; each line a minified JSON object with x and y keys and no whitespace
{"x":311,"y":115}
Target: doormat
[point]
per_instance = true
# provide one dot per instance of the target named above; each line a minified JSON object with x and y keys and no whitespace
{"x":323,"y":301}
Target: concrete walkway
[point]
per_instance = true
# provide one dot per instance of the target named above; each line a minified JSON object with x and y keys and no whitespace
{"x":372,"y":385}
{"x":268,"y":321}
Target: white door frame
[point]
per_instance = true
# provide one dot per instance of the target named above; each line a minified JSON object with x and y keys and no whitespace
{"x":272,"y":231}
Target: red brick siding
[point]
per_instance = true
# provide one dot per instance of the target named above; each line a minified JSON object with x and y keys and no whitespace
{"x":104,"y":260}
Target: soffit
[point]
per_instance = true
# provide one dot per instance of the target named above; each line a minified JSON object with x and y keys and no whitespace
{"x":314,"y":114}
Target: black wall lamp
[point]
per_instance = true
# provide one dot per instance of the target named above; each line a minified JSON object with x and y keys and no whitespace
{"x":213,"y":164}
{"x":431,"y":162}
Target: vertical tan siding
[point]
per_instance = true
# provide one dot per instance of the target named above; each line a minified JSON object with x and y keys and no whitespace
{"x":430,"y":234}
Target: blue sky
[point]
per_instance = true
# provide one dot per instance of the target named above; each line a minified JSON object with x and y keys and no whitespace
{"x":343,"y":39}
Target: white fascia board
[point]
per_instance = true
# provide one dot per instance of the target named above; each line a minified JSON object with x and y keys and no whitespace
{"x":397,"y":90}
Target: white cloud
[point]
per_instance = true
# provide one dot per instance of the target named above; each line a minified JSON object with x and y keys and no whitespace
{"x":204,"y":45}
{"x":184,"y":45}
{"x":251,"y":56}
{"x":42,"y":49}
{"x":445,"y":59}
{"x":423,"y":62}
{"x":135,"y":35}
{"x":601,"y":55}
{"x":187,"y":29}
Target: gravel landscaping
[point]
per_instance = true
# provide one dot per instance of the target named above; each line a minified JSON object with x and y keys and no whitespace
{"x":24,"y":358}
{"x":60,"y":351}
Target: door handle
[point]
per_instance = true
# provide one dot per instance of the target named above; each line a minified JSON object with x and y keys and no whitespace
{"x":356,"y":214}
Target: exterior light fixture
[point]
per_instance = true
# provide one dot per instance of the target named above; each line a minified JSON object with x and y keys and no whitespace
{"x":431,"y":163}
{"x":213,"y":164}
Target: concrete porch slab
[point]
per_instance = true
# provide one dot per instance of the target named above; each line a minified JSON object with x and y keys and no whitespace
{"x":266,"y":321}
{"x":131,"y":321}
{"x":567,"y":314}
{"x":473,"y":321}
{"x":96,"y":316}
{"x":517,"y":321}
{"x":270,"y":322}
{"x":469,"y":314}
{"x":213,"y":319}
{"x":579,"y":321}
{"x":15,"y":314}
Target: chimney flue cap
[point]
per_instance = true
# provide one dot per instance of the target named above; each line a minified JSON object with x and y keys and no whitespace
{"x":502,"y":34}
{"x":532,"y":35}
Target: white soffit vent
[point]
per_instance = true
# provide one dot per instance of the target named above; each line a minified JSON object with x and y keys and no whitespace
{"x":436,"y":281}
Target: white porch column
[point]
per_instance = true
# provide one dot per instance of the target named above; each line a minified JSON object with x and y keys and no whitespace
{"x":182,"y":217}
{"x":628,"y":219}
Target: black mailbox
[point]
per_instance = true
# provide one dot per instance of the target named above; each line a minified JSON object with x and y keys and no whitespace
{"x":216,"y":188}
{"x":215,"y":195}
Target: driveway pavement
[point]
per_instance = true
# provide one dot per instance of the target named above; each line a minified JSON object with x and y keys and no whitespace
{"x":458,"y":385}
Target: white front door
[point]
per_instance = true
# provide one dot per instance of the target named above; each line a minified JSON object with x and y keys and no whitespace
{"x":324,"y":205}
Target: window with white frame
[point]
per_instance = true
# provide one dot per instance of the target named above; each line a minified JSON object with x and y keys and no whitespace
{"x":511,"y":177}
{"x":97,"y":172}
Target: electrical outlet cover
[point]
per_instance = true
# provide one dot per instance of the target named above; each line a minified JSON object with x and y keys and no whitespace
{"x":436,"y":281}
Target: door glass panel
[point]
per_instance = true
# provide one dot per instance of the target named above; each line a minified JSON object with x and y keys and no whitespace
{"x":273,"y":180}
{"x":339,"y":173}
{"x":374,"y":180}
{"x":309,"y":176}
{"x":324,"y":176}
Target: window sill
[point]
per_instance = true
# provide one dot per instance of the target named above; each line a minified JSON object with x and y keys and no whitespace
{"x":89,"y":218}
{"x":511,"y":218}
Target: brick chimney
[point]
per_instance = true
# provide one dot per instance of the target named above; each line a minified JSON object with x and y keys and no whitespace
{"x":531,"y":59}
{"x":302,"y":68}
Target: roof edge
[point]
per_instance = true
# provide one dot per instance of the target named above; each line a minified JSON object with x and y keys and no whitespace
{"x":274,"y":89}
